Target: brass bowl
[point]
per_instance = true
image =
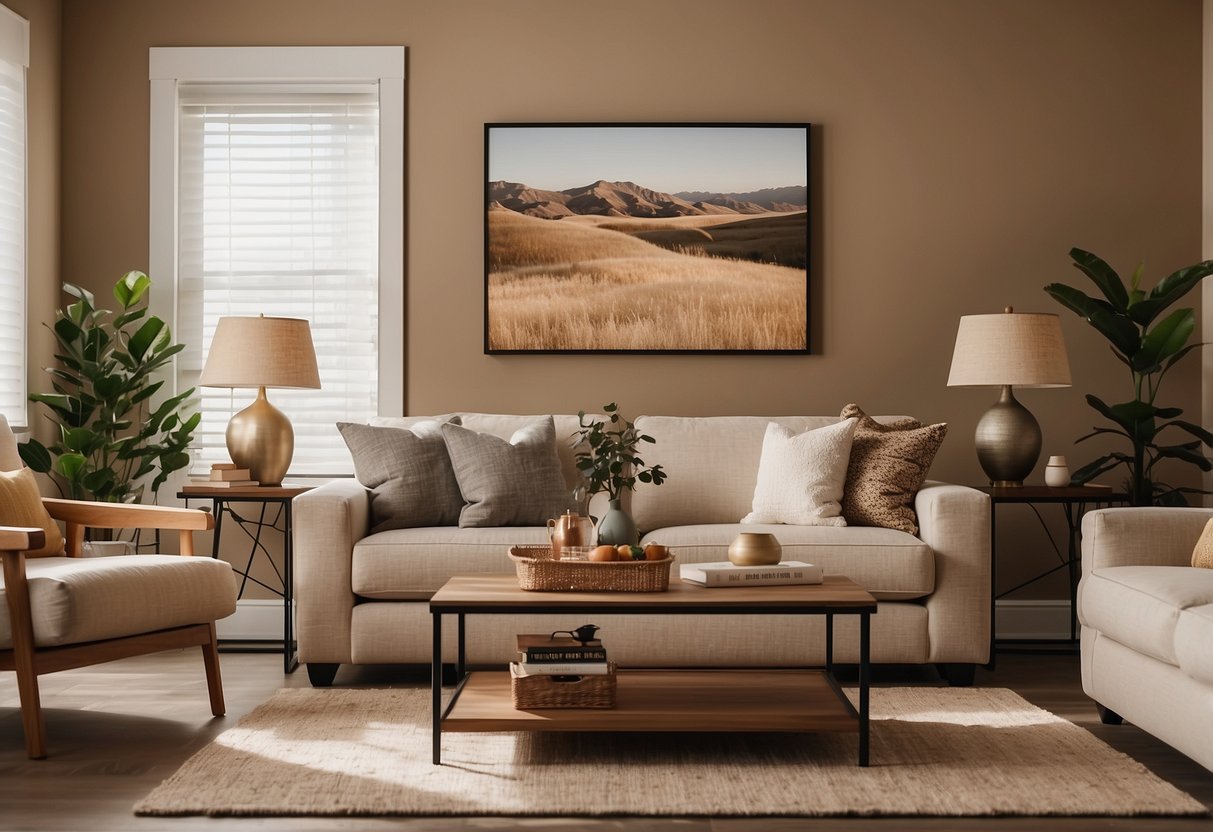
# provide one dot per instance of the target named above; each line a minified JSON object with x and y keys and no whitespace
{"x":755,"y":549}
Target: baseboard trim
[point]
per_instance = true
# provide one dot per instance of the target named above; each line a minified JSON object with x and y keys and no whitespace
{"x":253,"y":620}
{"x":1031,"y":620}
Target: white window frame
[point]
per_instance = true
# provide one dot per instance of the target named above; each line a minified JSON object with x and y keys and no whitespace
{"x":170,"y":66}
{"x":14,"y":48}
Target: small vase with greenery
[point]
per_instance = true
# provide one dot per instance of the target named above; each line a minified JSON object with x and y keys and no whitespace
{"x":110,"y":437}
{"x":609,"y":463}
{"x":1127,"y":316}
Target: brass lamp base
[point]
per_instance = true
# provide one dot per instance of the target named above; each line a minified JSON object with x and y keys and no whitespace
{"x":260,"y":438}
{"x":1008,"y":441}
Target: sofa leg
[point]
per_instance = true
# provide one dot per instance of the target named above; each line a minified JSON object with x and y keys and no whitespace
{"x":1108,"y":716}
{"x":958,"y":674}
{"x":321,"y":674}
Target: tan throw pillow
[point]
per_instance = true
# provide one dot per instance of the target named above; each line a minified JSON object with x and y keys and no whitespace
{"x":21,"y":505}
{"x":1202,"y":555}
{"x":887,"y":467}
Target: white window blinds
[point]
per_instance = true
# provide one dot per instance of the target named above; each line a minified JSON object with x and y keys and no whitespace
{"x":14,"y":58}
{"x":278,"y":214}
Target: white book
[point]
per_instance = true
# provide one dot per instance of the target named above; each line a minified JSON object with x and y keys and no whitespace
{"x":562,"y":668}
{"x":726,"y":574}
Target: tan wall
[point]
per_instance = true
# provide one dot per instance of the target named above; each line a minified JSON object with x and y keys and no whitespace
{"x":962,"y":149}
{"x":43,"y":184}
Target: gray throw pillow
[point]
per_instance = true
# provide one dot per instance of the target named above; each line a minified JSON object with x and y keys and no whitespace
{"x":408,"y":473}
{"x":515,"y":483}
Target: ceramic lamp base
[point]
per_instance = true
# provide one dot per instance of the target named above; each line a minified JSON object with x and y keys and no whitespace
{"x":1008,"y":441}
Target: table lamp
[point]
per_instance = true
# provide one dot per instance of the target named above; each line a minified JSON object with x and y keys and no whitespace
{"x":1009,"y":350}
{"x":261,"y":352}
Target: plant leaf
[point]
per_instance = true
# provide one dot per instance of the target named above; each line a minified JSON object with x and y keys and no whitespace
{"x":1103,"y":276}
{"x":35,"y":455}
{"x":130,"y":288}
{"x":144,"y":336}
{"x":1165,"y":339}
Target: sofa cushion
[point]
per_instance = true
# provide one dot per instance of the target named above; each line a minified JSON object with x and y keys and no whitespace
{"x":712,"y":463}
{"x":888,"y":563}
{"x":1141,"y":606}
{"x":514,"y":483}
{"x":74,"y":600}
{"x":408,"y":472}
{"x":21,"y":506}
{"x":888,"y":465}
{"x":505,"y":426}
{"x":1193,"y":637}
{"x":801,"y":475}
{"x":412,"y":564}
{"x":1202,"y":553}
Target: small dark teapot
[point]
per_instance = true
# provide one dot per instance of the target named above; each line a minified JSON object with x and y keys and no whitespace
{"x":584,"y":633}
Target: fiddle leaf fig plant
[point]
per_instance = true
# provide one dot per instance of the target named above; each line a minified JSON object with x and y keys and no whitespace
{"x":609,"y":462}
{"x":1128,"y":317}
{"x":111,"y":437}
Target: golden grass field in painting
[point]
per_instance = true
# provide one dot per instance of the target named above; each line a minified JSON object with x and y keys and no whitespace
{"x":563,"y":285}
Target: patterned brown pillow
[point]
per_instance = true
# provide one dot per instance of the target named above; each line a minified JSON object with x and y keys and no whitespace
{"x":1202,"y":555}
{"x":887,"y":467}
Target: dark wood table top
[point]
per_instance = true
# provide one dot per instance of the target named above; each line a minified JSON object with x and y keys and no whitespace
{"x":254,"y":492}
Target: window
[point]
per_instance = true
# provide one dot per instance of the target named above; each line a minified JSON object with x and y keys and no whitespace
{"x":288,"y":188}
{"x":14,"y":58}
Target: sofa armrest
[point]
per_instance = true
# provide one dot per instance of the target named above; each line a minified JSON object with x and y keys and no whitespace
{"x":328,"y":521}
{"x":1144,"y":536}
{"x":954,"y":521}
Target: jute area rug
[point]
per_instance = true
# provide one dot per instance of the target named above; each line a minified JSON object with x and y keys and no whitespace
{"x":935,"y":751}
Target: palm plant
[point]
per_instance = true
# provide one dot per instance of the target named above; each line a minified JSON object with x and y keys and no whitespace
{"x":1128,"y":317}
{"x":110,"y":435}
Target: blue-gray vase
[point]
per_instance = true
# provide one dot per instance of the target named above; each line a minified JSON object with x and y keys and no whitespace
{"x":617,"y":527}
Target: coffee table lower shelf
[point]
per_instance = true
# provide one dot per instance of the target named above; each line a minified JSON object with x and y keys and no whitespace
{"x":668,"y":700}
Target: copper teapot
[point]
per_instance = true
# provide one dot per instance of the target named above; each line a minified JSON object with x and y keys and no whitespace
{"x":570,"y":529}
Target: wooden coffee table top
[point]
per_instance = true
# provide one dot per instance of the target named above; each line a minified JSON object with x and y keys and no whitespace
{"x":500,"y":593}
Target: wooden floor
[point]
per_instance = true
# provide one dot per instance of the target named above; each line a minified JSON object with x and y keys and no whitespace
{"x":117,"y":730}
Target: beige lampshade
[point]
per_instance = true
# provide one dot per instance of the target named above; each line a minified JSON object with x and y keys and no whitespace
{"x":1023,"y":349}
{"x":261,"y":352}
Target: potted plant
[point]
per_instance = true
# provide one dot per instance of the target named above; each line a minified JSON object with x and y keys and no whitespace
{"x":609,"y":463}
{"x":110,"y":437}
{"x":1127,"y":316}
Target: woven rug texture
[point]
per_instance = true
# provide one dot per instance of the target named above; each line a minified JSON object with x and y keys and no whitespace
{"x":935,"y":751}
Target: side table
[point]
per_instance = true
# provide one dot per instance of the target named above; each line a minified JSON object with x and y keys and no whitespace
{"x":266,"y":497}
{"x":1075,"y":501}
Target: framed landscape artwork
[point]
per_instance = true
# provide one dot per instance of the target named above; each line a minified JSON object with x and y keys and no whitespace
{"x":646,"y":238}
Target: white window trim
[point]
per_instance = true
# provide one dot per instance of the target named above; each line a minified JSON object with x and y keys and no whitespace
{"x":14,"y":48}
{"x":170,"y":66}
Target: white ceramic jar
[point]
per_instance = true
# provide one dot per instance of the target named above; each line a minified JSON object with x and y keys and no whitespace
{"x":1057,"y":473}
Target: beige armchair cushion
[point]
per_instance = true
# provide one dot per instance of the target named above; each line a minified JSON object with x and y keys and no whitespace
{"x":21,"y":506}
{"x":76,"y":600}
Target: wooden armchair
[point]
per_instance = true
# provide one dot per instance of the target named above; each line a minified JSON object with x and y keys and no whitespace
{"x":67,"y":612}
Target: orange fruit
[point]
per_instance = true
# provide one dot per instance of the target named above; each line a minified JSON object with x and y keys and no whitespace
{"x":655,"y":551}
{"x":603,"y":553}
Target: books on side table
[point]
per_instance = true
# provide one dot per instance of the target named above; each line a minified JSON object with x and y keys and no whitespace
{"x":726,"y":574}
{"x":225,"y":475}
{"x":542,"y":655}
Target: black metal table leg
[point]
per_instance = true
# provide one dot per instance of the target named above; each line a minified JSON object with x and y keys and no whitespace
{"x":217,"y":510}
{"x":1073,"y":525}
{"x":461,"y":658}
{"x":865,"y":669}
{"x":829,"y":642}
{"x":436,"y":685}
{"x":290,"y":655}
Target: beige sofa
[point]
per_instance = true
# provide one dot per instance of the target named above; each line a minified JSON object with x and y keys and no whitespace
{"x":362,"y":599}
{"x":1147,"y":624}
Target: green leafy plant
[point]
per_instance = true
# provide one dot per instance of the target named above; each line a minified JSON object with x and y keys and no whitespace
{"x":1127,"y":316}
{"x":110,"y":435}
{"x":609,"y":462}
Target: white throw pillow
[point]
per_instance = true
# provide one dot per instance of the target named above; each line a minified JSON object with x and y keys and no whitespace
{"x":801,"y":476}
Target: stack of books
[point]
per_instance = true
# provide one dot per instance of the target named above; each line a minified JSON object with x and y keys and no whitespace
{"x":225,"y":475}
{"x":541,"y":655}
{"x":726,"y":574}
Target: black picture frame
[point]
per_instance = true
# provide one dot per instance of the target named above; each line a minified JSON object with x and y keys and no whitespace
{"x":613,"y":264}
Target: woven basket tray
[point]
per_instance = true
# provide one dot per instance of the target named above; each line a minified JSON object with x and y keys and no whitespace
{"x":537,"y":570}
{"x":535,"y":692}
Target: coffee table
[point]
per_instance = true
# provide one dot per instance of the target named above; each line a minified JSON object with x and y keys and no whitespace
{"x":804,"y":700}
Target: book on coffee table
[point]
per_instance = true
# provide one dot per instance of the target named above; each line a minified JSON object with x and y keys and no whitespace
{"x":726,"y":574}
{"x":563,"y":668}
{"x":540,"y":647}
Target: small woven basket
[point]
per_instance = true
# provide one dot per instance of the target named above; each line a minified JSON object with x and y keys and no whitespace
{"x":537,"y":692}
{"x":539,"y":571}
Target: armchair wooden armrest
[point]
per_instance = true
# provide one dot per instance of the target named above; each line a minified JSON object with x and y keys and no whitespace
{"x":18,"y":539}
{"x":81,"y":514}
